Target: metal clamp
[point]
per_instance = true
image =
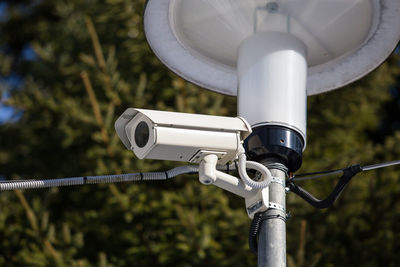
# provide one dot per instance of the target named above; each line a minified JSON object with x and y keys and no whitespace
{"x":276,"y":206}
{"x":278,"y":181}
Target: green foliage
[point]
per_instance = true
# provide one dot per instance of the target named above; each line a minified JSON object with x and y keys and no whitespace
{"x":93,"y":63}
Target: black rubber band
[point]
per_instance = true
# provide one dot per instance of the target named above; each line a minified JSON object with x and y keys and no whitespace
{"x":276,"y":216}
{"x":85,"y":180}
{"x":166,"y":176}
{"x":141,"y":176}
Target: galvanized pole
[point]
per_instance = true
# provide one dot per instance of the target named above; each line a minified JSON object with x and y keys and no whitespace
{"x":272,"y":235}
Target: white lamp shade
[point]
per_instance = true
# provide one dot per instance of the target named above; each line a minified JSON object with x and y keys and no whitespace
{"x":345,"y":39}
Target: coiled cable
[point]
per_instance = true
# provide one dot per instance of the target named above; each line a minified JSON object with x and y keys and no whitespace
{"x":137,"y":177}
{"x":266,"y":174}
{"x":253,"y":232}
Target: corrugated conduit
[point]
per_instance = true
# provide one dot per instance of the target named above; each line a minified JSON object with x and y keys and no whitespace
{"x":118,"y":178}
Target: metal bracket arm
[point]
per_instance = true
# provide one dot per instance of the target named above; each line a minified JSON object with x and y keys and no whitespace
{"x":208,"y":174}
{"x":256,"y":200}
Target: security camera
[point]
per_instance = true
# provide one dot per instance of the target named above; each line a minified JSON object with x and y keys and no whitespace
{"x":163,"y":135}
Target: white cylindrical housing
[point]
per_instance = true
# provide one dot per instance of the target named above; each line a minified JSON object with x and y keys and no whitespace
{"x":272,"y":73}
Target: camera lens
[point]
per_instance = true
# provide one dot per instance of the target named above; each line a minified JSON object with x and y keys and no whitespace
{"x":142,"y":134}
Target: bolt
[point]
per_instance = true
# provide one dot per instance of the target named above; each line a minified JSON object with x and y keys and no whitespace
{"x":272,"y":7}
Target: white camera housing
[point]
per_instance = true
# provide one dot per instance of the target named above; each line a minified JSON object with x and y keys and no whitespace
{"x":164,"y":135}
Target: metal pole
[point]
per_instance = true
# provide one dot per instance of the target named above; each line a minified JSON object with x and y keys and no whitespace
{"x":272,"y":235}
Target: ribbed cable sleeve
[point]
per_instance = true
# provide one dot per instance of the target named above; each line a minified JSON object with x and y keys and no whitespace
{"x":132,"y":177}
{"x":118,"y":178}
{"x":253,"y":232}
{"x":11,"y":185}
{"x":243,"y":163}
{"x":182,"y":170}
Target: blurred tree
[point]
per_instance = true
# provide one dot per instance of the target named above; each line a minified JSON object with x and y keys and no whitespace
{"x":77,"y":65}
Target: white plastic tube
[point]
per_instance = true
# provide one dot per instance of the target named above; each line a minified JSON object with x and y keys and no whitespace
{"x":272,"y":72}
{"x":266,"y":174}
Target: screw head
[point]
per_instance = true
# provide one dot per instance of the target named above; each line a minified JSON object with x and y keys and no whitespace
{"x":272,"y":7}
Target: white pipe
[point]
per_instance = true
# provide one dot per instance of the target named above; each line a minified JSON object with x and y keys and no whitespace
{"x":234,"y":185}
{"x":272,"y":73}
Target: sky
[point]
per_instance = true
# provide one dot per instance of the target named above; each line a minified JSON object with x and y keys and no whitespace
{"x":8,"y":113}
{"x":5,"y":112}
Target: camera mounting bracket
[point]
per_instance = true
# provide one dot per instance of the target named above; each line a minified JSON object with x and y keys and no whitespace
{"x":256,"y":200}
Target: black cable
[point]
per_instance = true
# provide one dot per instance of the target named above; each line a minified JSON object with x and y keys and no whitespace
{"x":348,"y":173}
{"x":304,"y":177}
{"x":381,"y":165}
{"x":316,"y":173}
{"x":254,"y":227}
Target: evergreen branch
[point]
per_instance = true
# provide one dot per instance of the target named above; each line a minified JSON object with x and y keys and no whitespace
{"x":33,"y":222}
{"x":302,"y":243}
{"x":53,"y":252}
{"x":109,"y":115}
{"x":104,"y":134}
{"x":29,"y":212}
{"x":141,"y":86}
{"x":98,"y":51}
{"x":95,"y":105}
{"x":95,"y":42}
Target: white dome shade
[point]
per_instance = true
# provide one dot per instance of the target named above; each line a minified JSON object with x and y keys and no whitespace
{"x":345,"y":39}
